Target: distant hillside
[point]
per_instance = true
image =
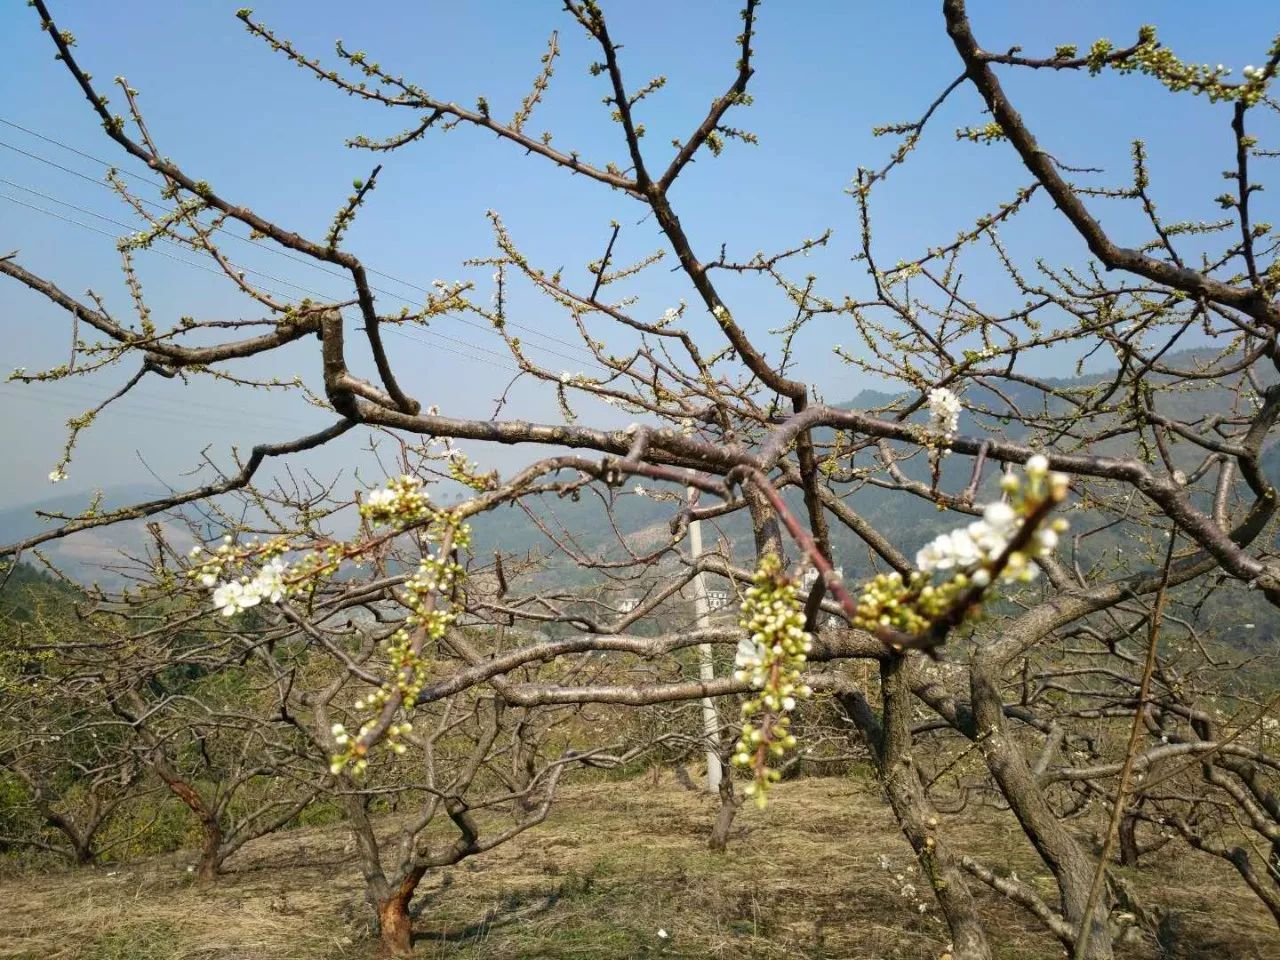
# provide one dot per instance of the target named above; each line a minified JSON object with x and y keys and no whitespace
{"x":88,"y":556}
{"x":23,"y":521}
{"x":27,"y":591}
{"x":584,"y":525}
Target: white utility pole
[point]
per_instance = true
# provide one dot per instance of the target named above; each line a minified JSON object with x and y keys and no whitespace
{"x":706,"y":668}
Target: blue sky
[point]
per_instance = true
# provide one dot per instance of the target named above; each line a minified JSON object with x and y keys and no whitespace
{"x":268,"y":136}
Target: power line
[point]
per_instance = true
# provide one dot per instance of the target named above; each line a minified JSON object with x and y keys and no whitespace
{"x":108,"y":233}
{"x":302,"y":260}
{"x":79,"y":153}
{"x":133,"y":411}
{"x":129,"y":227}
{"x":219,"y":273}
{"x":161,"y":207}
{"x":411,"y":335}
{"x":66,"y":392}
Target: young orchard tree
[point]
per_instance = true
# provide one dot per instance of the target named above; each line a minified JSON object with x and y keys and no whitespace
{"x":263,"y":694}
{"x":973,"y":430}
{"x":452,"y":771}
{"x":1168,"y":740}
{"x":198,"y":711}
{"x":67,"y":772}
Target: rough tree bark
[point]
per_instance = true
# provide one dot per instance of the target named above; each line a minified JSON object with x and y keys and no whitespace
{"x":889,"y":739}
{"x":1070,"y":864}
{"x":728,"y":809}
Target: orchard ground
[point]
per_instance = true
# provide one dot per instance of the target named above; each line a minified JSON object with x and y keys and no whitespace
{"x":620,"y":870}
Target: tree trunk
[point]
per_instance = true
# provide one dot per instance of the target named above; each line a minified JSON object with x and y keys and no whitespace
{"x":525,"y":767}
{"x":395,"y":928}
{"x":890,"y":743}
{"x":395,"y":925}
{"x":1128,"y":836}
{"x":211,"y":855}
{"x":764,"y":522}
{"x":719,"y":840}
{"x":82,"y":851}
{"x":683,"y":778}
{"x":1070,"y":864}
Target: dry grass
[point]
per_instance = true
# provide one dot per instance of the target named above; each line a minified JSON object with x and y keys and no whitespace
{"x":615,"y":864}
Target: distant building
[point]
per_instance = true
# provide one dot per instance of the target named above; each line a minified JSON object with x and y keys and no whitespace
{"x":717,"y":599}
{"x":627,"y":604}
{"x":809,"y":576}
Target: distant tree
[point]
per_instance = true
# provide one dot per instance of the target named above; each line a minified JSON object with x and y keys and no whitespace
{"x":65,"y":771}
{"x":66,"y":774}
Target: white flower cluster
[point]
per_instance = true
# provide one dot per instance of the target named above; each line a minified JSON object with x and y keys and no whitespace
{"x":1253,"y":73}
{"x":434,"y":573}
{"x":233,"y":596}
{"x":402,"y":500}
{"x":982,"y":542}
{"x":770,"y":658}
{"x":355,"y":755}
{"x":979,"y":542}
{"x":57,"y":476}
{"x":753,"y":662}
{"x":381,"y":499}
{"x":944,"y":409}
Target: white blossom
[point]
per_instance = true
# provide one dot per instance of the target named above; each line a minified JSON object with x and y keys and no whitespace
{"x":984,"y":541}
{"x":57,"y":476}
{"x":234,"y":596}
{"x":1046,"y":539}
{"x":947,"y":550}
{"x":269,"y":583}
{"x":230,"y":598}
{"x":750,"y":653}
{"x":381,"y":498}
{"x":944,"y":409}
{"x":1000,"y":516}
